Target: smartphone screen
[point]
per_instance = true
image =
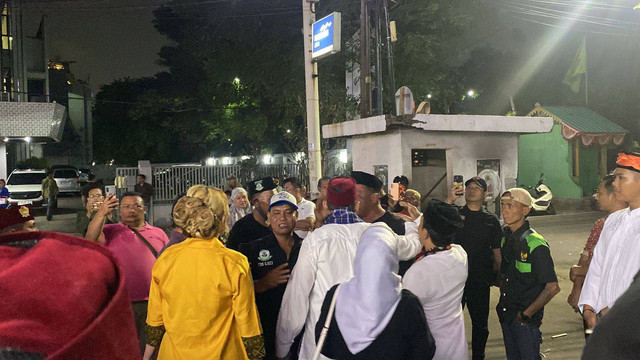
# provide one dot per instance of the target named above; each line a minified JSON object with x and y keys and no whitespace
{"x":395,"y":191}
{"x":458,"y":180}
{"x":109,"y":189}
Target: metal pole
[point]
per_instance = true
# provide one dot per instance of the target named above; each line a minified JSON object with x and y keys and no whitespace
{"x":365,"y":62}
{"x":312,"y":96}
{"x":392,"y":80}
{"x":378,"y":61}
{"x":586,"y":74}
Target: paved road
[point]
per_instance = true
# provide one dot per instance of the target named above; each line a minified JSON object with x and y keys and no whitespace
{"x":566,"y":234}
{"x":64,"y":217}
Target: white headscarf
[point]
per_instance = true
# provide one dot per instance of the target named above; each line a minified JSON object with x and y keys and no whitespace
{"x":366,"y":303}
{"x":236,"y":213}
{"x":236,"y":191}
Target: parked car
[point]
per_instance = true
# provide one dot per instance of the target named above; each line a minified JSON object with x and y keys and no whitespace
{"x":25,"y":187}
{"x":84,"y":176}
{"x":68,"y":179}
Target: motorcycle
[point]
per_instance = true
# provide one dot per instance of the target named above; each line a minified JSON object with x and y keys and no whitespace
{"x":541,"y":199}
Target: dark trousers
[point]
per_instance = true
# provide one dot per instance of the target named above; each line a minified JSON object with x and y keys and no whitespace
{"x":521,"y":341}
{"x":50,"y":202}
{"x":476,"y":298}
{"x":140,"y":317}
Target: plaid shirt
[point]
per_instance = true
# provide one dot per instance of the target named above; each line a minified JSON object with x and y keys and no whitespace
{"x":342,"y":215}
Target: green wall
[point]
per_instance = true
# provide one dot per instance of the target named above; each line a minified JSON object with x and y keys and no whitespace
{"x":551,"y":154}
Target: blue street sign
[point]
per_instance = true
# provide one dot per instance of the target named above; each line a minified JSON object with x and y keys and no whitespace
{"x":326,"y":36}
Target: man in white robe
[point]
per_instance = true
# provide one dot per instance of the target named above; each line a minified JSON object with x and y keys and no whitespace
{"x":325,"y":259}
{"x":615,"y":258}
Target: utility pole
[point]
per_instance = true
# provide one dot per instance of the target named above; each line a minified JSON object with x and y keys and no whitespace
{"x":365,"y":62}
{"x":312,"y":96}
{"x":380,"y":105}
{"x":392,"y":80}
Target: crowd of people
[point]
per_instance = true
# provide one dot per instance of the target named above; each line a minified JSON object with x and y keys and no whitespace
{"x":264,"y":273}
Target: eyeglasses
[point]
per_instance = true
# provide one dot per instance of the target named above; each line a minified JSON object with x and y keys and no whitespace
{"x":97,"y":196}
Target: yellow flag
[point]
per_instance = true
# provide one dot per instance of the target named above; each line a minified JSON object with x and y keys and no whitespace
{"x":578,"y":67}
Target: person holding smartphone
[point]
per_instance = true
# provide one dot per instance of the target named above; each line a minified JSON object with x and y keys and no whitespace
{"x":480,"y":237}
{"x":95,"y":198}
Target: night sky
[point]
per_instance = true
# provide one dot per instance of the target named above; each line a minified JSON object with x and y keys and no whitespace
{"x":108,"y":40}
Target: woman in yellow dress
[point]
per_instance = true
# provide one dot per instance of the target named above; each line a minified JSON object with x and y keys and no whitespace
{"x":202,"y":302}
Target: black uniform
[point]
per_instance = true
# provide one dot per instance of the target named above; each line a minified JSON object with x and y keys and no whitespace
{"x":246,"y":230}
{"x":264,"y":255}
{"x":528,"y":267}
{"x":480,"y":235}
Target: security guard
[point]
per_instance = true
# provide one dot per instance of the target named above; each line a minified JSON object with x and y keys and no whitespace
{"x":529,"y":280}
{"x":272,"y":259}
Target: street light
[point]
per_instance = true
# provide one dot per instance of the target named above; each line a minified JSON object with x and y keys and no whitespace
{"x":428,"y":96}
{"x":211,"y":161}
{"x":471,"y":93}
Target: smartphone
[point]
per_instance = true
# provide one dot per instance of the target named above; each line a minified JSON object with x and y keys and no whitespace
{"x":458,"y":181}
{"x":109,"y":189}
{"x":395,"y":191}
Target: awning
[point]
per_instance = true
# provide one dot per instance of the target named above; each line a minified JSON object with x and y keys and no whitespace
{"x":42,"y":122}
{"x":580,"y":122}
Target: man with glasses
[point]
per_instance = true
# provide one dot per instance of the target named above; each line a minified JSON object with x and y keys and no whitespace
{"x":135,"y":243}
{"x":94,"y":198}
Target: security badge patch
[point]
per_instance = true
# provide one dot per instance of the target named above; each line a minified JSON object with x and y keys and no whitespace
{"x":523,"y":256}
{"x":259,"y":186}
{"x":264,"y":255}
{"x":24,"y":211}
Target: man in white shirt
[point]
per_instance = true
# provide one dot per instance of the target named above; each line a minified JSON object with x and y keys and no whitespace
{"x":438,"y":279}
{"x":615,"y":258}
{"x":306,"y":209}
{"x":326,"y":259}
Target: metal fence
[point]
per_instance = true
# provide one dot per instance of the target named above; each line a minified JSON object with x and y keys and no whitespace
{"x":171,"y":180}
{"x":126,"y":179}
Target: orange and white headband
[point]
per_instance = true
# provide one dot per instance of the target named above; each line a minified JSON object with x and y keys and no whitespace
{"x":629,"y":161}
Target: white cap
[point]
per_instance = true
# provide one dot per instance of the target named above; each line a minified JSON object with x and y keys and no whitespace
{"x":282,"y":198}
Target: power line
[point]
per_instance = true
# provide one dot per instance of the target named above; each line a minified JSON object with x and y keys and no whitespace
{"x":118,"y":7}
{"x":560,"y":14}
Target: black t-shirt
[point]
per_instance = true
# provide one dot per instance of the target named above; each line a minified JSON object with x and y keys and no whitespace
{"x":264,"y":255}
{"x":246,"y":230}
{"x":397,"y":225}
{"x":528,"y":267}
{"x":480,"y":234}
{"x":406,"y":336}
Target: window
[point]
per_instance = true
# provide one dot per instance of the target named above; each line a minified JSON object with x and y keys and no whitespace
{"x":26,"y":178}
{"x":65,"y":174}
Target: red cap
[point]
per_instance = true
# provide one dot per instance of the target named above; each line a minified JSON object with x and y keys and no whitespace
{"x":64,"y":297}
{"x":14,"y":215}
{"x":341,"y":191}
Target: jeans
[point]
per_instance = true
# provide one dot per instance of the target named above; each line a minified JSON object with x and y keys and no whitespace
{"x":50,"y":203}
{"x":521,"y":341}
{"x":476,"y":298}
